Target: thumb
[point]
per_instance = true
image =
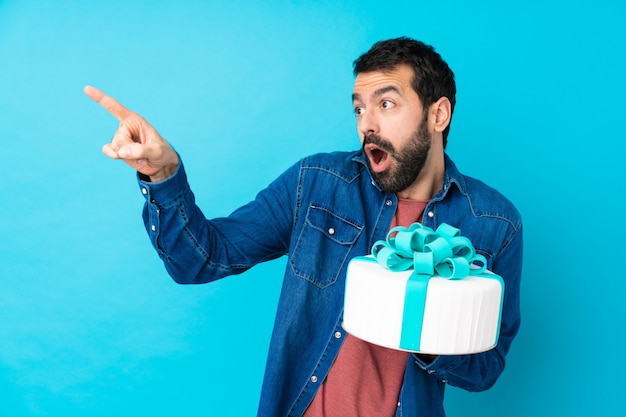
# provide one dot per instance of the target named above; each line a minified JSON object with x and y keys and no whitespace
{"x":147,"y":151}
{"x":133,"y":151}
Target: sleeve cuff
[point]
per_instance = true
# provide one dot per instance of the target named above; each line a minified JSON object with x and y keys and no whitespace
{"x":164,"y":193}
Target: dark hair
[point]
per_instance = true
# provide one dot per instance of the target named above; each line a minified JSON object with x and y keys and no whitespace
{"x":432,"y":79}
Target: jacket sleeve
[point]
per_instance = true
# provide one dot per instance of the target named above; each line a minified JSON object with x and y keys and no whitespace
{"x":478,"y":372}
{"x":196,"y":250}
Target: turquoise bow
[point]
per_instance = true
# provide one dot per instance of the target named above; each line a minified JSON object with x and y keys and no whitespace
{"x":444,"y":251}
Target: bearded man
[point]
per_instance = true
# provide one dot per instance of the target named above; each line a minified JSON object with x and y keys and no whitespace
{"x":327,"y":209}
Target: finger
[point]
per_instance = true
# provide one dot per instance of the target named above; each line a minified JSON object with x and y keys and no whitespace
{"x":109,"y":151}
{"x":109,"y":103}
{"x":121,"y":138}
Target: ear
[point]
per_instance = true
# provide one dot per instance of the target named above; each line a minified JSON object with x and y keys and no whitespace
{"x":441,"y":113}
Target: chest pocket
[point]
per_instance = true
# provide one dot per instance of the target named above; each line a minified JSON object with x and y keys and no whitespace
{"x":323,"y":246}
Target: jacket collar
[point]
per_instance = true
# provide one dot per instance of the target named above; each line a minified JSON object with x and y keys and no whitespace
{"x":452,"y":176}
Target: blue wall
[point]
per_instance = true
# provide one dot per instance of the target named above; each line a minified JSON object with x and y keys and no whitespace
{"x":91,"y":325}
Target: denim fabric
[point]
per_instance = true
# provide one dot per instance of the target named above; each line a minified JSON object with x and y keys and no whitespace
{"x":321,"y":212}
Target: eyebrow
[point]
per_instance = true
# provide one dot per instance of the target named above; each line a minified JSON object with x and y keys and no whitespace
{"x":378,"y":93}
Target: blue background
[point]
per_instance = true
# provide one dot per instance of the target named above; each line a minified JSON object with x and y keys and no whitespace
{"x":90,"y":323}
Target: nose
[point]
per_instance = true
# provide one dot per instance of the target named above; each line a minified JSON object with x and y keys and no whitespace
{"x":368,"y":123}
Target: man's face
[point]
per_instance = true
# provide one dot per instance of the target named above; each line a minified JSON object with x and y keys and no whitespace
{"x":392,"y":126}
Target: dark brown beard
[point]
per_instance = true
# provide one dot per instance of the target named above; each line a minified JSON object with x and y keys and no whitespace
{"x":409,"y":160}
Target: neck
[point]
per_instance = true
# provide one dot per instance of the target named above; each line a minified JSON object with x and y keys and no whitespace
{"x":429,"y":181}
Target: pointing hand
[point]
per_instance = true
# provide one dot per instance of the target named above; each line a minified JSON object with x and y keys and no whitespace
{"x":136,"y":142}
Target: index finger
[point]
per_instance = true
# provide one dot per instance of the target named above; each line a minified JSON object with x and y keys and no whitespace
{"x":109,"y":103}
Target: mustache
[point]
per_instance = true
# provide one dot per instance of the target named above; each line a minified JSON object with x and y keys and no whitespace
{"x":380,"y":142}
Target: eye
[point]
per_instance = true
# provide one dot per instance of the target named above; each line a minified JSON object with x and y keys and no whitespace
{"x":358,"y":110}
{"x":387,"y":104}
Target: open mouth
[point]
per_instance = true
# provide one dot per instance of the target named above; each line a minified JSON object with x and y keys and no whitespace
{"x":379,"y":158}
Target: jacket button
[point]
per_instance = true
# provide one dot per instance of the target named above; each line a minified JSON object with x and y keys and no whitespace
{"x":389,"y":202}
{"x":338,"y":335}
{"x":313,"y":378}
{"x":331,"y":231}
{"x":144,"y":191}
{"x":153,"y":228}
{"x":431,"y":214}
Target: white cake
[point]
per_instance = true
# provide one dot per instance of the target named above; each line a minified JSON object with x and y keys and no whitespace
{"x":458,"y":316}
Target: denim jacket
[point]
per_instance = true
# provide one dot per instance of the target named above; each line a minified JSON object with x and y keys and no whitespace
{"x":321,"y":212}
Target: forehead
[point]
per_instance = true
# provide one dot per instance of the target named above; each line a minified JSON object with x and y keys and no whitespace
{"x":399,"y":78}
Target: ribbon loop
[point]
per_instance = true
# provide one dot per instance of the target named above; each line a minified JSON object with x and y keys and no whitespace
{"x":423,"y":263}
